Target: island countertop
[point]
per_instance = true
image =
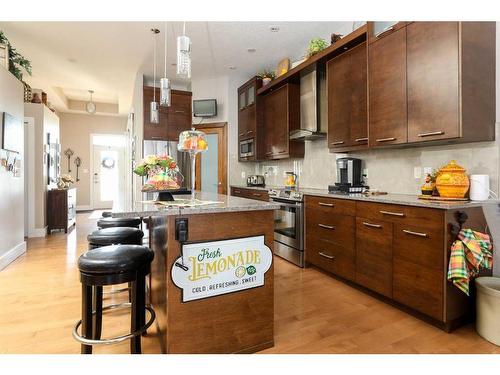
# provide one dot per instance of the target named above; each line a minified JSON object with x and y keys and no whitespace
{"x":224,"y":203}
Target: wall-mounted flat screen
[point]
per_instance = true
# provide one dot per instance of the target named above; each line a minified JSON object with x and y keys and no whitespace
{"x":205,"y":108}
{"x":11,"y":132}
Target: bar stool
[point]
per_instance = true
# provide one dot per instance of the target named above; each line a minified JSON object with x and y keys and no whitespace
{"x":110,"y":265}
{"x":115,"y":236}
{"x":110,"y":222}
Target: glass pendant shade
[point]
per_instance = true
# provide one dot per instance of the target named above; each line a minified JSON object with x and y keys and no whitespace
{"x":165,"y":91}
{"x":183,"y":56}
{"x":154,"y":113}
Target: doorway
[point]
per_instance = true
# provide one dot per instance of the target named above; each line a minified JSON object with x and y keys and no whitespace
{"x":108,"y":171}
{"x":211,"y":165}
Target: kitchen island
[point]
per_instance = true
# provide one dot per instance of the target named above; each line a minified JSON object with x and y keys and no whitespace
{"x":212,"y":281}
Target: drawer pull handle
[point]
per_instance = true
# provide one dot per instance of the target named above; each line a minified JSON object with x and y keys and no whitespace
{"x":371,"y":225}
{"x":237,"y":191}
{"x":242,"y":134}
{"x":257,"y":194}
{"x":179,"y":111}
{"x":337,"y":143}
{"x":326,"y":226}
{"x":326,"y":255}
{"x":400,"y":214}
{"x":386,"y":139}
{"x":415,"y":233}
{"x":385,"y":31}
{"x":440,"y":132}
{"x":269,"y":153}
{"x":250,"y":132}
{"x":325,"y":204}
{"x":361,"y":139}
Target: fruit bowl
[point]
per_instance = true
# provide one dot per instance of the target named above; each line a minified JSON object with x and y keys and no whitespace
{"x":192,"y":141}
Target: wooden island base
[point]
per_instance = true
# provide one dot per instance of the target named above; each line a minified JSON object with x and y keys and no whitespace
{"x":237,"y":322}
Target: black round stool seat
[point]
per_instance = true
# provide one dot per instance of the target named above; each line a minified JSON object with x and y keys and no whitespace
{"x":106,"y":214}
{"x":114,"y":236}
{"x":111,"y":222}
{"x":115,"y":259}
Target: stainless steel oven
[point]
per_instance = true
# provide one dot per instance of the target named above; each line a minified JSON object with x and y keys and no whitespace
{"x":247,"y":148}
{"x":289,"y":227}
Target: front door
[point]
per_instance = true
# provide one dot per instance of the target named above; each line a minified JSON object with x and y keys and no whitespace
{"x":108,"y":177}
{"x":211,"y":165}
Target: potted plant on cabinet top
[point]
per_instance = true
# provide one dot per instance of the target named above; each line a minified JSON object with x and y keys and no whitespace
{"x":17,"y":62}
{"x":267,"y":76}
{"x":315,"y":46}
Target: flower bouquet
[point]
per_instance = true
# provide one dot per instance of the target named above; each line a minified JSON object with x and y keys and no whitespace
{"x":162,"y":172}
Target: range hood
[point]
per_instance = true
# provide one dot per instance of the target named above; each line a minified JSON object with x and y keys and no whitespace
{"x":313,"y":104}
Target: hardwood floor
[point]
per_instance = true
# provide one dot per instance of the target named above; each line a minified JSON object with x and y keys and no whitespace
{"x":40,"y":302}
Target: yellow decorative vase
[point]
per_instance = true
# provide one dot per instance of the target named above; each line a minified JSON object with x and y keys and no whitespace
{"x":452,"y":181}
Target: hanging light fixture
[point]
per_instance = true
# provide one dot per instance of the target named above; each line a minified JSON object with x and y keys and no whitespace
{"x":165,"y":82}
{"x":154,"y":113}
{"x":183,"y":54}
{"x":90,"y":105}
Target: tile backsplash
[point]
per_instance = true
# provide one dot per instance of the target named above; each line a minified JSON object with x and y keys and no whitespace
{"x":390,"y":170}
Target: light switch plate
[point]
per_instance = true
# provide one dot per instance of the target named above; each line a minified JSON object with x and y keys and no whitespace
{"x":417,"y":172}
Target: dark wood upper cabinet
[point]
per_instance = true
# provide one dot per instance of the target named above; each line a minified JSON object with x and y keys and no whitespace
{"x":347,"y":100}
{"x":173,"y":119}
{"x":380,"y":29}
{"x":281,"y":115}
{"x":387,"y":111}
{"x":250,"y":117}
{"x":451,"y":75}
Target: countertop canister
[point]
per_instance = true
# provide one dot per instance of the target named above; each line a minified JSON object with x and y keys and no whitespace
{"x":479,"y":187}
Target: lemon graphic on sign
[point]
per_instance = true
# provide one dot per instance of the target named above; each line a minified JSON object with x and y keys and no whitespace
{"x":240,"y":271}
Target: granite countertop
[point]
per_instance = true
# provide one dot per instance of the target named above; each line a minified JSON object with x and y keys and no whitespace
{"x":402,"y":199}
{"x":225,"y":203}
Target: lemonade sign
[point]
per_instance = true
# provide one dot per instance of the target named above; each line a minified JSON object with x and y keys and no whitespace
{"x":209,"y":269}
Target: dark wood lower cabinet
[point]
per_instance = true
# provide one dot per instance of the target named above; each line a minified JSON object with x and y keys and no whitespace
{"x":249,"y":193}
{"x":399,"y":252}
{"x":61,"y":209}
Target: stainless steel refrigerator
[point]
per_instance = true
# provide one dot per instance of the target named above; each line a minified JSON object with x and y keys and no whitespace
{"x":182,"y":158}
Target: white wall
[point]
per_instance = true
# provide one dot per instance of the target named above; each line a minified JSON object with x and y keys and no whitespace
{"x":11,"y":188}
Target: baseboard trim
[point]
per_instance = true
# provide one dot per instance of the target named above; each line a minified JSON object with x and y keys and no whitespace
{"x":84,"y":208}
{"x":12,"y":255}
{"x":37,"y":232}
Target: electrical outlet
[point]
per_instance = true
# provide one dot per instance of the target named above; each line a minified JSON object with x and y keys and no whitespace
{"x":272,"y":170}
{"x":365,"y":172}
{"x":243,"y":174}
{"x":427,"y":170}
{"x":417,"y":172}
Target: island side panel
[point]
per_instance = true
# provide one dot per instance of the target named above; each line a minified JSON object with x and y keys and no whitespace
{"x":239,"y":322}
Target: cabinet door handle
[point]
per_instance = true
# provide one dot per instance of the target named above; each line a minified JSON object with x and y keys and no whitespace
{"x":269,"y":153}
{"x":250,"y":132}
{"x":386,"y":139}
{"x":281,"y":152}
{"x":242,"y":134}
{"x":179,"y":111}
{"x":385,"y":31}
{"x":371,"y":225}
{"x":326,"y":226}
{"x":325,"y":204}
{"x":155,"y":137}
{"x":418,"y":234}
{"x":337,"y":143}
{"x":439,"y":132}
{"x":324,"y":255}
{"x":400,"y":214}
{"x":361,"y":139}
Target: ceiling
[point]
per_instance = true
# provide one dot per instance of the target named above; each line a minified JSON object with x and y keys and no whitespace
{"x":70,"y":58}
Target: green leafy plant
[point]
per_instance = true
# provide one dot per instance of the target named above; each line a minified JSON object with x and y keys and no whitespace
{"x":17,"y":62}
{"x":267,"y":74}
{"x":316,"y":45}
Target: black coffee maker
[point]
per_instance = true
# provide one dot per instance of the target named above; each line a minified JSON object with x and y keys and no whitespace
{"x":349,"y":177}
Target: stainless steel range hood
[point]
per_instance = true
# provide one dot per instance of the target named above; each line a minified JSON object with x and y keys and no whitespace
{"x":313,"y":104}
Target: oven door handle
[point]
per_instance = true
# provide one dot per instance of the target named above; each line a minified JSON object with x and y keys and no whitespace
{"x":286,"y":204}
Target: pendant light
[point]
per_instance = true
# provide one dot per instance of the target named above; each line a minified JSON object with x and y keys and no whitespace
{"x":154,"y":113}
{"x":165,"y":82}
{"x":183,"y":54}
{"x":90,"y":105}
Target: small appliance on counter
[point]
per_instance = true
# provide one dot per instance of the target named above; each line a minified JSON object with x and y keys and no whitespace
{"x":349,"y":177}
{"x":256,"y":180}
{"x":290,"y":181}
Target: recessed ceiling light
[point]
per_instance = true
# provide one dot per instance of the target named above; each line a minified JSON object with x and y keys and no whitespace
{"x":274,"y":29}
{"x":232,"y":67}
{"x":251,"y":50}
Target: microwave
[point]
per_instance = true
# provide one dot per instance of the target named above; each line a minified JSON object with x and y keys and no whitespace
{"x":247,"y":148}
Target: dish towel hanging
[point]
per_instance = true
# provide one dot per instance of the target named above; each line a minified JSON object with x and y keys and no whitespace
{"x":470,"y":253}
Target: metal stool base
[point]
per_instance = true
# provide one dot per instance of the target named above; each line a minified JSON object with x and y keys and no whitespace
{"x":114,"y":340}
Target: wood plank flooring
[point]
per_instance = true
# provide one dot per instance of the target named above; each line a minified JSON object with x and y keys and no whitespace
{"x":40,"y":302}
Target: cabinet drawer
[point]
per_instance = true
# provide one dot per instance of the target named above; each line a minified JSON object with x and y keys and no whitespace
{"x":422,"y":246}
{"x":425,"y":217}
{"x":337,"y":229}
{"x":330,"y":206}
{"x":331,"y":257}
{"x":418,"y":287}
{"x":261,"y":195}
{"x":374,"y":255}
